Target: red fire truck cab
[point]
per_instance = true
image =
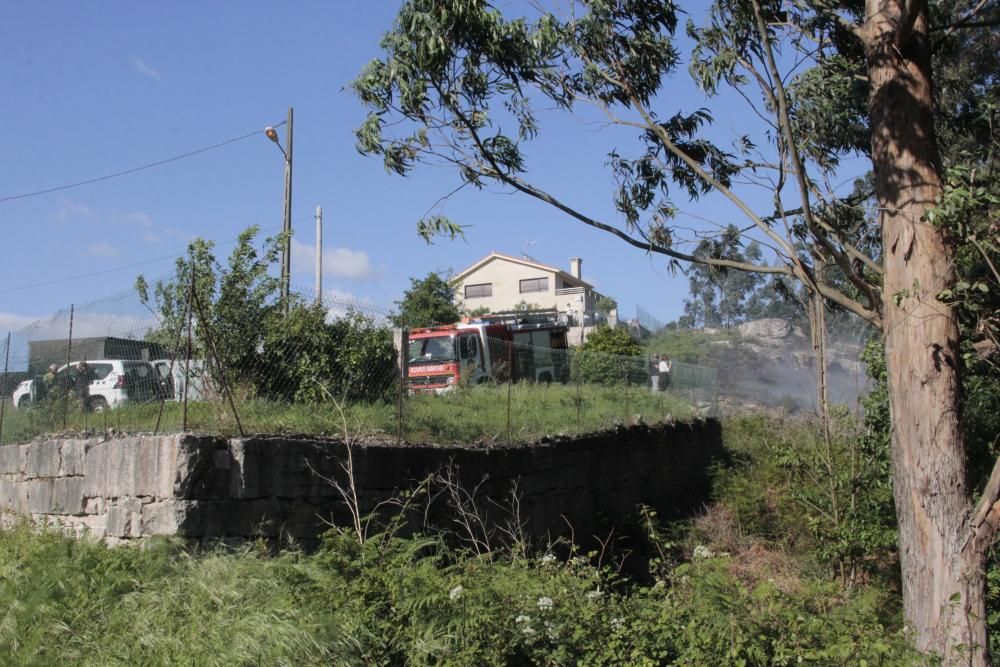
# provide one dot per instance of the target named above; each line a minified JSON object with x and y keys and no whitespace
{"x":493,"y":348}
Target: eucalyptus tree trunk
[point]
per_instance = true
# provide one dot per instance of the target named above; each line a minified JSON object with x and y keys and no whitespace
{"x":941,"y":552}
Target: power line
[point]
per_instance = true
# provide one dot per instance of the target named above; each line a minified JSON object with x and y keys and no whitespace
{"x":154,"y":260}
{"x":135,"y":169}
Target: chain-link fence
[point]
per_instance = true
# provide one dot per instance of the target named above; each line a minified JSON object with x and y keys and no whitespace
{"x":212,"y":362}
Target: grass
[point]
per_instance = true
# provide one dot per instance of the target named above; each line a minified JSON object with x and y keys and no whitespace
{"x":416,"y":601}
{"x":692,"y":346}
{"x":474,"y":414}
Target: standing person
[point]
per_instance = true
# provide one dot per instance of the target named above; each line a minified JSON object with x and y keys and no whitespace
{"x":665,"y":367}
{"x":84,"y":376}
{"x":42,"y":384}
{"x":654,"y":373}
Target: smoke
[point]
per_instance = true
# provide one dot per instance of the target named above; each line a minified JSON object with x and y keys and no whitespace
{"x":775,"y":367}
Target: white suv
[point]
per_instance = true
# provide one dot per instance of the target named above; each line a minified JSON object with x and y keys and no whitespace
{"x":113,"y":383}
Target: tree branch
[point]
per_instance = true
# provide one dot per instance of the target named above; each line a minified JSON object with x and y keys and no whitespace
{"x":911,"y":10}
{"x":966,"y":21}
{"x":798,"y":169}
{"x":497,"y":173}
{"x":986,"y":517}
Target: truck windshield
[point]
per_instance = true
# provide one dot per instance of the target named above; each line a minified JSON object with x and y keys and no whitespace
{"x":432,"y":350}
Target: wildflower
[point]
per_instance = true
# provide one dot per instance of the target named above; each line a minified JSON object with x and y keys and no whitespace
{"x":548,"y":559}
{"x":528,"y":630}
{"x":545,"y":603}
{"x":551,"y":632}
{"x":593,"y":596}
{"x":617,"y":623}
{"x":456,"y":592}
{"x":523,"y":618}
{"x":702,"y":551}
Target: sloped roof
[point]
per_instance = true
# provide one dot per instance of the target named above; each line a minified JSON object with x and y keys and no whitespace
{"x":525,"y":262}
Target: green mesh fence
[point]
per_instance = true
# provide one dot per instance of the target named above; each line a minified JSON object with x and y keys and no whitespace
{"x":329,"y":369}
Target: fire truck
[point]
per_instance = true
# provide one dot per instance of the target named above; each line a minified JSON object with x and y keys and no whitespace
{"x":501,"y":347}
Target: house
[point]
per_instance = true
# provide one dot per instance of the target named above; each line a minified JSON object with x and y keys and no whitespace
{"x":501,"y":282}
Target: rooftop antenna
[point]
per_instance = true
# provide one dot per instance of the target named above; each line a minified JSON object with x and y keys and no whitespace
{"x":524,"y":251}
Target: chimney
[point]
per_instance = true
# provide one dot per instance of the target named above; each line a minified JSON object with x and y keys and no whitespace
{"x":574,"y":268}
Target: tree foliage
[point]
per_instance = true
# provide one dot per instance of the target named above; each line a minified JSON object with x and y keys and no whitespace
{"x":429,"y":301}
{"x":248,"y":340}
{"x":611,"y":356}
{"x":459,"y":85}
{"x":233,"y":303}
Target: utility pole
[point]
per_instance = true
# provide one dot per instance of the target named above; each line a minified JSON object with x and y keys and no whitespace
{"x":286,"y":227}
{"x":286,"y":254}
{"x":319,"y":255}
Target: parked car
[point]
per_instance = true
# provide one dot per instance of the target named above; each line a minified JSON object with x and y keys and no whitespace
{"x":172,"y":382}
{"x":114,"y":382}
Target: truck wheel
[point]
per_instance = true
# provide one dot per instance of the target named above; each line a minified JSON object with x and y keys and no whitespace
{"x":545,"y":378}
{"x":24,"y":403}
{"x":98,"y":404}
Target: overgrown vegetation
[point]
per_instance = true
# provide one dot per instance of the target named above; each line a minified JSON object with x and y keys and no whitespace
{"x":723,"y":590}
{"x":253,"y":343}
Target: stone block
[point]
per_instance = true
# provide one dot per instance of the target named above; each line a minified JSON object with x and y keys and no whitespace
{"x":137,"y":466}
{"x":94,"y":505}
{"x":251,"y":518}
{"x":94,"y":525}
{"x":71,"y":457}
{"x":273,"y":467}
{"x":9,"y":496}
{"x":103,"y":465}
{"x":42,"y":459}
{"x":124,"y":518}
{"x":38,"y":494}
{"x":67,"y":495}
{"x":12,"y":459}
{"x":195,"y":472}
{"x":163,"y":517}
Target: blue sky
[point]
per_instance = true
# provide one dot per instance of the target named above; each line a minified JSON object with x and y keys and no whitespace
{"x":97,"y":88}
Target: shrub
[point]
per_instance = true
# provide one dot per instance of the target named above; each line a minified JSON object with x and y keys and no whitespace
{"x":610,"y":356}
{"x":305,"y":358}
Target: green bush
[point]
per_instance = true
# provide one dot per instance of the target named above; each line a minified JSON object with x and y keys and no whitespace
{"x":306,"y":358}
{"x":610,"y":356}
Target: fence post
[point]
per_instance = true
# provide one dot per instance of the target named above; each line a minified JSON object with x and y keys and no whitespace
{"x":187,"y":354}
{"x":69,"y":358}
{"x":3,"y":397}
{"x":625,"y":368}
{"x":401,"y":341}
{"x":579,"y":393}
{"x":510,"y":384}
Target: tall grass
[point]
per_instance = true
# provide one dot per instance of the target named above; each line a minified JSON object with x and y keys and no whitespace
{"x":473,"y":414}
{"x":732,"y":592}
{"x":411,"y":602}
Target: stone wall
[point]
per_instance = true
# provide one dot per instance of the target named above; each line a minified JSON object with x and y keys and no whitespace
{"x":203,"y":487}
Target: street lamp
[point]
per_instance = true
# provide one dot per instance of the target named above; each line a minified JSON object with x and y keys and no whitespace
{"x":286,"y":249}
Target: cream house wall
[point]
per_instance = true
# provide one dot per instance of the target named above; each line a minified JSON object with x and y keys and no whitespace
{"x":505,"y":278}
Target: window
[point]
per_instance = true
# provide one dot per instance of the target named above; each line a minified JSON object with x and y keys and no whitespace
{"x":474,"y":291}
{"x":100,"y":371}
{"x":535,"y":285}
